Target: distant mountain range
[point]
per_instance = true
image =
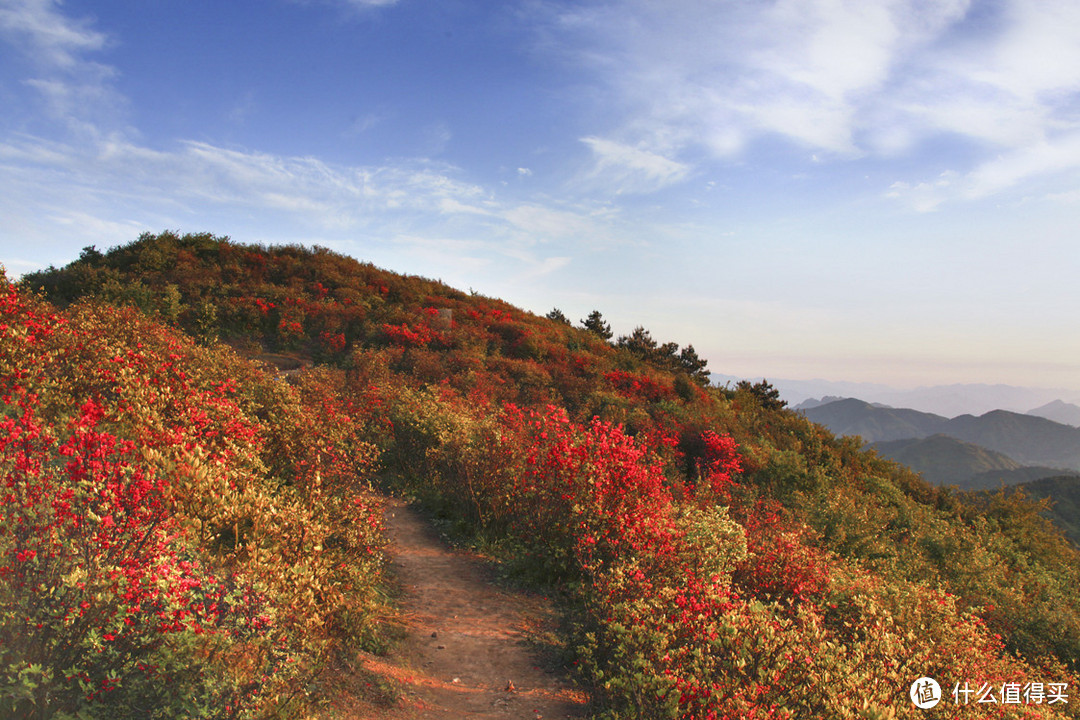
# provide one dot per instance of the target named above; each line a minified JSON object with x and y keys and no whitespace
{"x":1037,"y":452}
{"x":1059,"y":411}
{"x":969,"y":451}
{"x":945,"y":400}
{"x":873,"y":423}
{"x":944,"y":460}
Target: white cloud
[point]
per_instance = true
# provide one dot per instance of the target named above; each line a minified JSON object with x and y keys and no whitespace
{"x":1044,"y":159}
{"x":452,"y":206}
{"x":109,"y":192}
{"x":625,"y":169}
{"x":722,"y":74}
{"x":202,"y":174}
{"x":370,"y":3}
{"x":840,"y":78}
{"x":49,"y":36}
{"x":925,"y":196}
{"x":534,"y":223}
{"x":1037,"y":52}
{"x":75,"y":90}
{"x":1035,"y":160}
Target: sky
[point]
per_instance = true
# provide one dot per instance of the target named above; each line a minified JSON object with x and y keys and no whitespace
{"x":877,"y":191}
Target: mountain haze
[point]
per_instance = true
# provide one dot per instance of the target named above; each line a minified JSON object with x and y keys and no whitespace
{"x":874,"y":423}
{"x":1027,"y":439}
{"x":945,"y":400}
{"x":944,"y":460}
{"x":1059,"y":411}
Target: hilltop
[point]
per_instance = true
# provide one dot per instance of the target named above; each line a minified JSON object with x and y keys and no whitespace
{"x":718,"y":554}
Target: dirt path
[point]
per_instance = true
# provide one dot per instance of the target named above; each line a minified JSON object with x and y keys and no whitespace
{"x":464,"y":656}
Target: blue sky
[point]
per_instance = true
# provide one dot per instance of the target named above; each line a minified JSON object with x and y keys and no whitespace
{"x":866,"y":190}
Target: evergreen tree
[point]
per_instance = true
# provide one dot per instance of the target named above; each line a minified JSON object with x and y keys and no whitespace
{"x":596,"y":325}
{"x":641,"y":343}
{"x":767,"y":395}
{"x":667,"y":356}
{"x":557,"y":315}
{"x":693,"y":365}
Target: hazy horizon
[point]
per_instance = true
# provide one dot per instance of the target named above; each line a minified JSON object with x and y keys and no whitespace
{"x":863,"y":191}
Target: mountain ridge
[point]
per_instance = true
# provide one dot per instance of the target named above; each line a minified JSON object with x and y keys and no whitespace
{"x":1027,"y":439}
{"x":948,"y":400}
{"x":944,"y":460}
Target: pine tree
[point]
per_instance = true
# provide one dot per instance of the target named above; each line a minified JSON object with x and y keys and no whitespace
{"x":694,"y":365}
{"x":557,"y":315}
{"x":596,"y":325}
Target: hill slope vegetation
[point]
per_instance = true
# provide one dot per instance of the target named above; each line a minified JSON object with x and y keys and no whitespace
{"x":181,"y":534}
{"x":721,"y":555}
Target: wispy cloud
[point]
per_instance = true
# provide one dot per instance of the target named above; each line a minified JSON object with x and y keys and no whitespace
{"x":98,"y":182}
{"x":534,"y":223}
{"x":925,"y":196}
{"x":840,"y":79}
{"x":47,"y":34}
{"x":1043,"y":159}
{"x":237,"y":177}
{"x":719,"y":75}
{"x":74,"y":90}
{"x":109,"y":192}
{"x":370,"y":3}
{"x":623,"y":169}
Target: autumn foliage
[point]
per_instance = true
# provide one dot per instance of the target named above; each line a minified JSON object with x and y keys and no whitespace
{"x":720,"y":556}
{"x":181,"y":535}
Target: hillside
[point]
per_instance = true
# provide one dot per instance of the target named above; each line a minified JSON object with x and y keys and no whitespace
{"x":178,"y":530}
{"x":1027,"y":439}
{"x":717,"y":554}
{"x":873,"y":423}
{"x":943,"y":460}
{"x":1063,"y":494}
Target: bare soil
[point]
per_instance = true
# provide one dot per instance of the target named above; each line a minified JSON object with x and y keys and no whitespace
{"x":465,"y":653}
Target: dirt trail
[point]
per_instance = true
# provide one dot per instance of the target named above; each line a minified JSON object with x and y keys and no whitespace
{"x":464,"y":656}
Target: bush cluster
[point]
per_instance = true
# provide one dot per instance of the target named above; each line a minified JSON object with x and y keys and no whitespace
{"x":181,"y":535}
{"x":724,"y":557}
